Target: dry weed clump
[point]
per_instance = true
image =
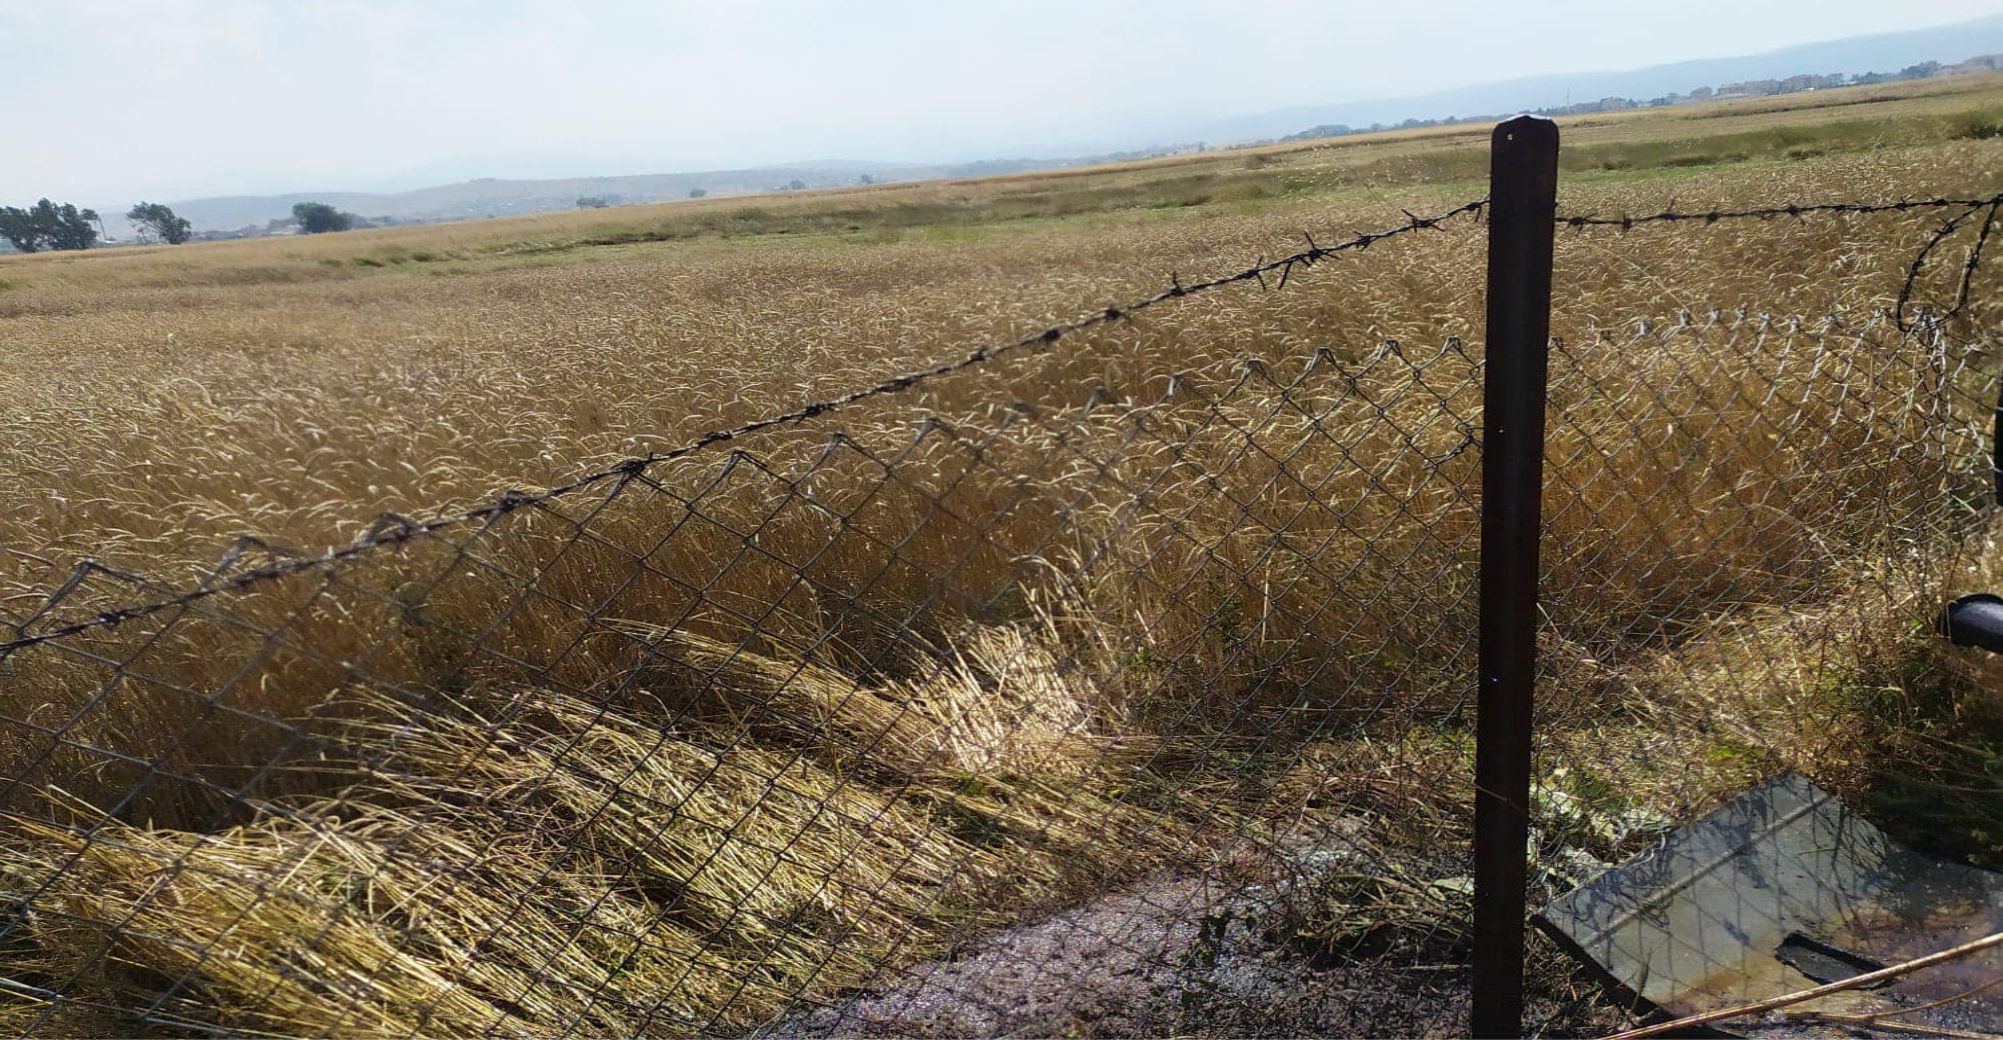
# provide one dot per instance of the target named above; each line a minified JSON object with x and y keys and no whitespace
{"x":667,"y":753}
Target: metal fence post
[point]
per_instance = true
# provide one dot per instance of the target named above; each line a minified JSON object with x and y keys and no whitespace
{"x":1523,"y":194}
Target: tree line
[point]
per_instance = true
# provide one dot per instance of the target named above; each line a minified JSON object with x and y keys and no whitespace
{"x":48,"y":225}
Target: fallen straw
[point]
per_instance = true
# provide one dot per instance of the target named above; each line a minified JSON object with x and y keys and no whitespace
{"x":1868,"y":1022}
{"x":1878,"y":1019}
{"x":1853,"y":982}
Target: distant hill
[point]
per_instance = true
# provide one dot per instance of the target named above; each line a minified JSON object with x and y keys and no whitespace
{"x":489,"y":197}
{"x":1882,"y":52}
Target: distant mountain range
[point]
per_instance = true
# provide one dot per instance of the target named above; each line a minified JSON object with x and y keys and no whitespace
{"x":1887,"y":52}
{"x":1881,"y":52}
{"x":490,"y":197}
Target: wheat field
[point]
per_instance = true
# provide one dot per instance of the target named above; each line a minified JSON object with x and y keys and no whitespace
{"x":760,"y":725}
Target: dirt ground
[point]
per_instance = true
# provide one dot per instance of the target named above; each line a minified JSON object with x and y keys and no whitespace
{"x":1177,"y":956}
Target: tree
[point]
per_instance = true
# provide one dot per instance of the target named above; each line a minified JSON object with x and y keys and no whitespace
{"x":317,"y":217}
{"x":157,"y":219}
{"x":46,"y":225}
{"x":18,"y":228}
{"x":70,"y":227}
{"x":593,"y":202}
{"x":696,"y":193}
{"x":796,"y":185}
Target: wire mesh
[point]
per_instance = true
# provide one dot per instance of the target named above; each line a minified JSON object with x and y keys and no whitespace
{"x":726,"y":734}
{"x":1752,"y":522}
{"x":776,"y":733}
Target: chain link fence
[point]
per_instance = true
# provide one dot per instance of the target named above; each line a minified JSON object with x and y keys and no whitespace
{"x":1148,"y":714}
{"x":1753,"y":524}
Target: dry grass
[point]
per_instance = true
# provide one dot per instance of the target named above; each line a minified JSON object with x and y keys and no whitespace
{"x":670,"y":752}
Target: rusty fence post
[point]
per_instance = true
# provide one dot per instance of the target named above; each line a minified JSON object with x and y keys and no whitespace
{"x":1523,"y":193}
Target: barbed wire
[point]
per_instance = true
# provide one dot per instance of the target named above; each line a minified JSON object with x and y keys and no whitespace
{"x":394,"y":529}
{"x":1969,"y":208}
{"x":1792,"y":209}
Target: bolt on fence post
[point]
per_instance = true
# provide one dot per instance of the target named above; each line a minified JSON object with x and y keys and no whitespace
{"x":1523,"y":202}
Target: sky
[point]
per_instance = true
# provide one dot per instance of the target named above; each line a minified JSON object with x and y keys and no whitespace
{"x":106,"y":101}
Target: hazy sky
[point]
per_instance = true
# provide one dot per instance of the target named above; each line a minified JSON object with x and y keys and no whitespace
{"x":106,"y":101}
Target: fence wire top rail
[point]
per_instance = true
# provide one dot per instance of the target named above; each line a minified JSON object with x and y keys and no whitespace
{"x":394,"y":529}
